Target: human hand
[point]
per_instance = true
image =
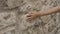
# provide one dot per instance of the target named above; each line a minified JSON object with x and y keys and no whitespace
{"x":32,"y":16}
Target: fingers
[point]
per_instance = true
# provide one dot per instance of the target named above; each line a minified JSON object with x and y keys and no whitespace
{"x":29,"y":17}
{"x":29,"y":14}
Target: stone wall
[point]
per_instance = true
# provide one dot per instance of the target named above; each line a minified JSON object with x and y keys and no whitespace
{"x":13,"y":17}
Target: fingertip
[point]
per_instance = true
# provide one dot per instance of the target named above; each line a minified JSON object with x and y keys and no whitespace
{"x":29,"y":15}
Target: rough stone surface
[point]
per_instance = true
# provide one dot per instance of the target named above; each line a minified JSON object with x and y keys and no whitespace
{"x":13,"y":17}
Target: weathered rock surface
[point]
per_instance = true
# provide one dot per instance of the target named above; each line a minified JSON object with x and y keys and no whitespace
{"x":13,"y":17}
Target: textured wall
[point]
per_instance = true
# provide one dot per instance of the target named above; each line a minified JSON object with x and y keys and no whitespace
{"x":13,"y":17}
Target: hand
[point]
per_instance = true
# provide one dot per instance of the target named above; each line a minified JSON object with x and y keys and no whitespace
{"x":32,"y":16}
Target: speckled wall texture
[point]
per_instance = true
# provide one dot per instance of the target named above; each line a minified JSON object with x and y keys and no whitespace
{"x":13,"y":17}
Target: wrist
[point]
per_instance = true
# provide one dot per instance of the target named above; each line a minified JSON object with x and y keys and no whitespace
{"x":39,"y":14}
{"x":58,"y":7}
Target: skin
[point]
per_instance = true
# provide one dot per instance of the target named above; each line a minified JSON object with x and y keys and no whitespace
{"x":33,"y":15}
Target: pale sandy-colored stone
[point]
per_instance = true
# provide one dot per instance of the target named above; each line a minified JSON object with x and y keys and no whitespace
{"x":13,"y":19}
